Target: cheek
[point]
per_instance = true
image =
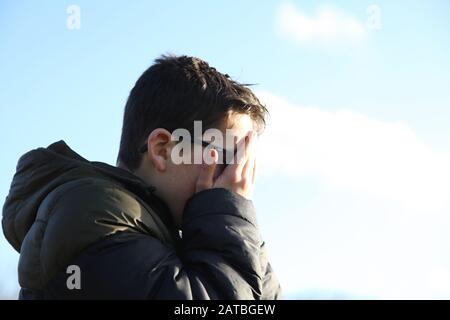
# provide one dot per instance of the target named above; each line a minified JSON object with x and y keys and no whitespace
{"x":185,"y":179}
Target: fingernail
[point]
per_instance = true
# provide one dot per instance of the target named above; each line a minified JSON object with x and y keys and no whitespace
{"x":212,"y":154}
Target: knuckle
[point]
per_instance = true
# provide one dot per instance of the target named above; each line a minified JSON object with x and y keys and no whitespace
{"x":236,"y":177}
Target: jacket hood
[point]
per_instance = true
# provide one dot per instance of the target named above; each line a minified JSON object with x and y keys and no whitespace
{"x":41,"y":170}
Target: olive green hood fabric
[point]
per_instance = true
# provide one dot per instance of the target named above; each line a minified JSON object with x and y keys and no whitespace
{"x":46,"y":242}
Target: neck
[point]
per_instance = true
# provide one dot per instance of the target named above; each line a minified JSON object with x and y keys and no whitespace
{"x":122,"y":166}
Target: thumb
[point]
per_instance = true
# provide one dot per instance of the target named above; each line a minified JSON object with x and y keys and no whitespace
{"x":206,"y":177}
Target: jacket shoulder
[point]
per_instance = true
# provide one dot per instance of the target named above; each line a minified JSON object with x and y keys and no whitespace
{"x":76,"y":215}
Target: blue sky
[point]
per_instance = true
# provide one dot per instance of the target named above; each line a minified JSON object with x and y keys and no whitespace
{"x":352,"y":193}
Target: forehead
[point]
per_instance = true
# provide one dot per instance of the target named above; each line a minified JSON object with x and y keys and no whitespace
{"x":238,"y":124}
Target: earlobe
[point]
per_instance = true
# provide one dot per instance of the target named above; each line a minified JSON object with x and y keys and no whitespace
{"x":159,"y":142}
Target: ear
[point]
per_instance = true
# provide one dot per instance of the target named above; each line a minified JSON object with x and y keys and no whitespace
{"x":159,"y":145}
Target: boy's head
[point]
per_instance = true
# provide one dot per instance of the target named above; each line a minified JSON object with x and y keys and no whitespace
{"x":173,"y":93}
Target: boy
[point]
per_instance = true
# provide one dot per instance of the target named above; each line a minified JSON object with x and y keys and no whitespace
{"x":151,"y":227}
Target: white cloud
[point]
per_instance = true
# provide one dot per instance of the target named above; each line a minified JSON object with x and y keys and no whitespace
{"x":376,"y":225}
{"x":439,"y":281}
{"x":349,"y":150}
{"x":328,"y":26}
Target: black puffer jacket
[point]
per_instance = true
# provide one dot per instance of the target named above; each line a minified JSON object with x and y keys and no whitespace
{"x":63,"y":210}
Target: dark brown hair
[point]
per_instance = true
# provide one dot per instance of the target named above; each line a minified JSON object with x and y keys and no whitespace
{"x":173,"y":93}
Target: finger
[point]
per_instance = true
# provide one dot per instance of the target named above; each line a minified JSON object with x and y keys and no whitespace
{"x":206,"y":177}
{"x":245,"y":168}
{"x":233,"y":172}
{"x":255,"y":152}
{"x":254,"y":173}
